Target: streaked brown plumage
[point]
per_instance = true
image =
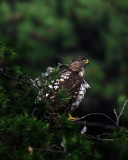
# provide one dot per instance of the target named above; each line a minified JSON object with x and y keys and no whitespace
{"x":72,"y":79}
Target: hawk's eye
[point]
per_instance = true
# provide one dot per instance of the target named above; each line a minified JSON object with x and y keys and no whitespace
{"x":82,"y":60}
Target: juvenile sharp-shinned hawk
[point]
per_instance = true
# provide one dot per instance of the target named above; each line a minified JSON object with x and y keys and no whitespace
{"x":72,"y":79}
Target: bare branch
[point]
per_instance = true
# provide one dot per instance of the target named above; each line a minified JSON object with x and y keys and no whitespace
{"x":97,"y":125}
{"x":121,"y":112}
{"x":98,"y":138}
{"x":51,"y":150}
{"x":123,"y":108}
{"x":117,"y":118}
{"x":91,"y":114}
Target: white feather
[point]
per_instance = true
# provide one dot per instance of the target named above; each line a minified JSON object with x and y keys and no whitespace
{"x":50,"y":86}
{"x":47,"y":94}
{"x":62,"y":80}
{"x":55,"y":87}
{"x":81,"y":94}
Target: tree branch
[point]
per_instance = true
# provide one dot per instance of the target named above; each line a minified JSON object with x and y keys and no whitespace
{"x":3,"y":71}
{"x":121,"y":112}
{"x":97,"y":125}
{"x":98,"y":138}
{"x":50,"y":150}
{"x":101,"y":114}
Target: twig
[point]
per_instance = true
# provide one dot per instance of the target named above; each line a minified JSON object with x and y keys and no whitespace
{"x":121,"y":112}
{"x":51,"y":150}
{"x":123,"y":108}
{"x":98,"y":138}
{"x":97,"y":125}
{"x":91,"y":114}
{"x":117,"y":119}
{"x":33,"y":112}
{"x":106,"y":140}
{"x":47,"y":149}
{"x":3,"y":72}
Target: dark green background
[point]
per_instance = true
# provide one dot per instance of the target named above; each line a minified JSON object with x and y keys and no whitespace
{"x":47,"y":32}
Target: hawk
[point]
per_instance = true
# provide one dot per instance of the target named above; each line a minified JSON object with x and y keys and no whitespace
{"x":71,"y":78}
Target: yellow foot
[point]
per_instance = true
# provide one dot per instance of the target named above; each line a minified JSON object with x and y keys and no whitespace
{"x":72,"y":118}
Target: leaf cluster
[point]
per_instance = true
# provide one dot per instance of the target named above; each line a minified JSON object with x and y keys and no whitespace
{"x":24,"y":136}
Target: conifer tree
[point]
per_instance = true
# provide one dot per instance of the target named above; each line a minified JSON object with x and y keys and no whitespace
{"x":27,"y":132}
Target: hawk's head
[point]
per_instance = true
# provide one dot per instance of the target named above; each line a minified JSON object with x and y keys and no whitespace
{"x":78,"y":64}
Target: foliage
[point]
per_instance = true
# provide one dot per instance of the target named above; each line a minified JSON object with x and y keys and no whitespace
{"x":47,"y":32}
{"x":26,"y":134}
{"x":25,"y":137}
{"x":43,"y":33}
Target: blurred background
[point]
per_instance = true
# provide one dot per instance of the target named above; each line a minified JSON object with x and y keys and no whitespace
{"x":45,"y":32}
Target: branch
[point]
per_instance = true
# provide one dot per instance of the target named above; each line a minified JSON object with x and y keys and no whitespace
{"x":30,"y":150}
{"x":3,"y":71}
{"x":97,"y":125}
{"x":91,"y":114}
{"x":50,"y":150}
{"x":101,"y":126}
{"x":98,"y":138}
{"x":121,"y":112}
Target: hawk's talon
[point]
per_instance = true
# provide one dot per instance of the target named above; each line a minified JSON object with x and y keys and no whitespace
{"x":72,"y":118}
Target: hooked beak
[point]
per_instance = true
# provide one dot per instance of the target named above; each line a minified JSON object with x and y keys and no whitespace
{"x":87,"y":61}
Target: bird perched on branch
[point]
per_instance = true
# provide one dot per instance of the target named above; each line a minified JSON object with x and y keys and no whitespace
{"x":70,"y":82}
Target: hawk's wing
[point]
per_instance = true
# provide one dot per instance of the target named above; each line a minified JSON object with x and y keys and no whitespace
{"x":74,"y":84}
{"x":81,"y":92}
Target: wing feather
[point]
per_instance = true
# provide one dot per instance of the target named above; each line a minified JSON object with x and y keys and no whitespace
{"x":82,"y":91}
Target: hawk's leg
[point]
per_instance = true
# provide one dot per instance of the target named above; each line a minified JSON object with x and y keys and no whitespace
{"x":72,"y":118}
